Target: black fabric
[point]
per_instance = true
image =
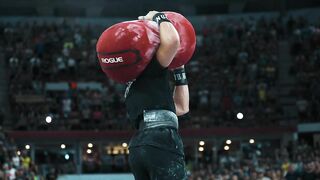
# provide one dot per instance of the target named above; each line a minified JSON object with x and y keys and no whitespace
{"x":150,"y":91}
{"x":308,"y":176}
{"x":180,"y":77}
{"x":291,"y":176}
{"x":184,"y":117}
{"x":151,"y":163}
{"x":166,"y":138}
{"x":160,"y":17}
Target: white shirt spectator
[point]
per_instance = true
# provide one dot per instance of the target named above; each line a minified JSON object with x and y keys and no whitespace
{"x":35,"y":61}
{"x":65,"y":52}
{"x":66,"y":106}
{"x":14,"y":62}
{"x":302,"y":105}
{"x":86,"y":113}
{"x":12,"y":173}
{"x":203,"y":97}
{"x":194,"y":66}
{"x":243,"y":57}
{"x":77,"y":38}
{"x":16,"y":161}
{"x":60,"y":63}
{"x":71,"y":62}
{"x":199,"y":40}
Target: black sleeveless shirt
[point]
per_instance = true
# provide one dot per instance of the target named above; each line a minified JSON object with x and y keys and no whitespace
{"x":150,"y":91}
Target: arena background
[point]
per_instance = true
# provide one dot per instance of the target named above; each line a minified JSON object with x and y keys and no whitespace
{"x":254,"y":90}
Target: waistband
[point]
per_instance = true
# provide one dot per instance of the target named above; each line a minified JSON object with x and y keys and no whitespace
{"x":158,"y":118}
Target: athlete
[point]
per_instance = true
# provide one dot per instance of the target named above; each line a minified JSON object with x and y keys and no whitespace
{"x":156,"y":150}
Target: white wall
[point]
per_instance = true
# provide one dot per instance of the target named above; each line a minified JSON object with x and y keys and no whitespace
{"x":308,"y":127}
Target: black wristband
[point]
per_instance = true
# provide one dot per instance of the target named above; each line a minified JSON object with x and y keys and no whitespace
{"x":180,"y":77}
{"x":160,"y":17}
{"x":184,"y":117}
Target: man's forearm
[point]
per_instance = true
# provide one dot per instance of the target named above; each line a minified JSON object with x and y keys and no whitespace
{"x":181,"y":99}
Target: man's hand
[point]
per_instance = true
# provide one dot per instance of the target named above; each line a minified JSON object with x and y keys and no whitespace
{"x":169,"y":37}
{"x":149,"y":16}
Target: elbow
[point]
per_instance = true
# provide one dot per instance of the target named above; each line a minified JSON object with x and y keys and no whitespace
{"x":172,"y":41}
{"x":185,"y":111}
{"x":182,"y":111}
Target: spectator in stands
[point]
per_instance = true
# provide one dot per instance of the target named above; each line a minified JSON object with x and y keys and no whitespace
{"x":2,"y":174}
{"x":66,"y":105}
{"x":35,"y":66}
{"x":302,"y":105}
{"x":71,"y":66}
{"x":26,"y":160}
{"x":52,"y":175}
{"x":15,"y":159}
{"x":61,"y":65}
{"x":14,"y":63}
{"x":10,"y":172}
{"x":3,"y":154}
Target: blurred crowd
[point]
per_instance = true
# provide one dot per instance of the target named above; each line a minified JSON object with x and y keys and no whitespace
{"x":305,"y":50}
{"x":238,"y":61}
{"x":234,"y":69}
{"x":40,"y":53}
{"x":299,"y":163}
{"x":14,"y":164}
